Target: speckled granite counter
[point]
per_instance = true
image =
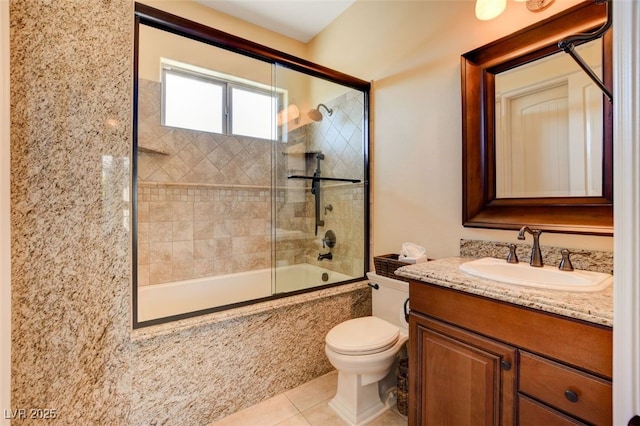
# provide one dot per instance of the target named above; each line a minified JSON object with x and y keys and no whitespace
{"x":596,"y":307}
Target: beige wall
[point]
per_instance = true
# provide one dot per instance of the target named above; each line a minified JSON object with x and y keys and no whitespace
{"x":411,"y":50}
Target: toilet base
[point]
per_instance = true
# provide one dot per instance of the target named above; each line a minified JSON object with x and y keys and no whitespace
{"x":355,"y":403}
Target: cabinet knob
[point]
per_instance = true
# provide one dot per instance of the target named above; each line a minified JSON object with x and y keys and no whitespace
{"x":571,"y":395}
{"x":506,"y":365}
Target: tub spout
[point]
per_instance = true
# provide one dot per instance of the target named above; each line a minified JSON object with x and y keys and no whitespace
{"x":327,"y":256}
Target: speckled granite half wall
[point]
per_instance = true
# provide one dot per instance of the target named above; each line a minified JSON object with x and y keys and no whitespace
{"x":204,"y":372}
{"x":70,"y":143}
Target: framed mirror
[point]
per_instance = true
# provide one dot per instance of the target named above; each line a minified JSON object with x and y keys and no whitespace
{"x":536,"y":132}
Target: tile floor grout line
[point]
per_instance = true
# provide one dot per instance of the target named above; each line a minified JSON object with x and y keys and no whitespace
{"x":316,"y":414}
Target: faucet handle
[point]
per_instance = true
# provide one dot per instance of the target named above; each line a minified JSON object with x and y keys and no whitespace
{"x":512,"y":257}
{"x":565,"y":263}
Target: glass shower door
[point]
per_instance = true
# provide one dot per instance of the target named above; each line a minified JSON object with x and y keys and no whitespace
{"x":320,"y":184}
{"x":250,"y":178}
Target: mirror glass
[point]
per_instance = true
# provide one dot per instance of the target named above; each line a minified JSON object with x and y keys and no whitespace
{"x":548,"y":127}
{"x":250,"y":175}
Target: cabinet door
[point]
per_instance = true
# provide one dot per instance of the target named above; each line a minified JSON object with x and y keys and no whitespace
{"x":458,"y":377}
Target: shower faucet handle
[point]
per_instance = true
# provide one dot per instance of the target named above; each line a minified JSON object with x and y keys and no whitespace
{"x":329,"y":239}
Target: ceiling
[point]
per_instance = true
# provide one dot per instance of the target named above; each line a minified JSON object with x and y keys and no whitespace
{"x":297,"y":19}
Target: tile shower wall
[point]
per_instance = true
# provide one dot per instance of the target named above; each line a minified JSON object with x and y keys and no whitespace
{"x":339,"y":137}
{"x":190,"y":231}
{"x":73,"y":349}
{"x":204,"y":198}
{"x":174,"y":155}
{"x":347,"y":203}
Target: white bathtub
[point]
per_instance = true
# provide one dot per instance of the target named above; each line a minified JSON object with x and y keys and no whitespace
{"x":302,"y":276}
{"x":163,"y":300}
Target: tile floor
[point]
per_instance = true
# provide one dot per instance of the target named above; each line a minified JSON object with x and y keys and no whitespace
{"x":304,"y":405}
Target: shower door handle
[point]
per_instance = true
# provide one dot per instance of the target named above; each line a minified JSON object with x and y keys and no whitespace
{"x":324,"y":178}
{"x":315,"y":190}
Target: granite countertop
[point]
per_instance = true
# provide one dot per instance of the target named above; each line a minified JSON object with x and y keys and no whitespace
{"x":594,"y":307}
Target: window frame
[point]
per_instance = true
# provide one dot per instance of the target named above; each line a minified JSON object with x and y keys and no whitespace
{"x":228,"y":83}
{"x":184,"y":72}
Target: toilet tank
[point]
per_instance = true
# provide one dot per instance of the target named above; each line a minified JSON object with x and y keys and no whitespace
{"x":388,"y":300}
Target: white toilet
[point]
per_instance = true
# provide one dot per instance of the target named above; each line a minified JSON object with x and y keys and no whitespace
{"x":364,"y":350}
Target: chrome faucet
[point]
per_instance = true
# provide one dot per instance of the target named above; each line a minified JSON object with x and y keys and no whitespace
{"x":536,"y":254}
{"x":327,"y":256}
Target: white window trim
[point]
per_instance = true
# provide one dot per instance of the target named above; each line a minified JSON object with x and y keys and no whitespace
{"x":230,"y":82}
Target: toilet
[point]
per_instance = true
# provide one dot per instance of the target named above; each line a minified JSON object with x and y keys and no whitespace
{"x":364,"y":350}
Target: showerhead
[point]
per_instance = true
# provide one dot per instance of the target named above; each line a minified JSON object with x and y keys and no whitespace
{"x":316,"y":115}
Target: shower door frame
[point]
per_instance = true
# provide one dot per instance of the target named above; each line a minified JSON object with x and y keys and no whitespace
{"x":155,"y":18}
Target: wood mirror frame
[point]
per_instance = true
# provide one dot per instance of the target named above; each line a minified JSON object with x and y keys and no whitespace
{"x":480,"y":207}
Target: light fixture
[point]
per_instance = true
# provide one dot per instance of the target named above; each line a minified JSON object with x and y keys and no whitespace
{"x":489,"y":9}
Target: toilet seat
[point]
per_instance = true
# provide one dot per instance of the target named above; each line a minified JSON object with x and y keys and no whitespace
{"x":362,"y":336}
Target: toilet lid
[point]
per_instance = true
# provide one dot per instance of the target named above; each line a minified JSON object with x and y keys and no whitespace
{"x":361,"y":336}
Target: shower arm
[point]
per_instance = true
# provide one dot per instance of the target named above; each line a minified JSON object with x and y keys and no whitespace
{"x":567,"y":45}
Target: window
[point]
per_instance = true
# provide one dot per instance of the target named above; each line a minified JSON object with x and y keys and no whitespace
{"x":212,"y":102}
{"x":194,"y":103}
{"x":252,"y":113}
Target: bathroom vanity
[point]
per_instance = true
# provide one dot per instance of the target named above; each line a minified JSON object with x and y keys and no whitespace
{"x":487,"y":353}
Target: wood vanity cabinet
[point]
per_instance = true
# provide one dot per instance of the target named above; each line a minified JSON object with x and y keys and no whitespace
{"x":479,"y":361}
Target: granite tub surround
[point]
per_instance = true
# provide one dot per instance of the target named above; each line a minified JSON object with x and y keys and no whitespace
{"x":594,"y":307}
{"x":234,"y":359}
{"x":588,"y":260}
{"x":71,"y":78}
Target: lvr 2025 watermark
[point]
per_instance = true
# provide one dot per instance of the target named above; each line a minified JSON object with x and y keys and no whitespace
{"x":30,"y":413}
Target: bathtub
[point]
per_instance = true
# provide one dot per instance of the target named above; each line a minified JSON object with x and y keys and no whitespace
{"x":174,"y":298}
{"x":303,"y":276}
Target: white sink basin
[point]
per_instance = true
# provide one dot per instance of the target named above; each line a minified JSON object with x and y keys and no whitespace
{"x":546,"y":277}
